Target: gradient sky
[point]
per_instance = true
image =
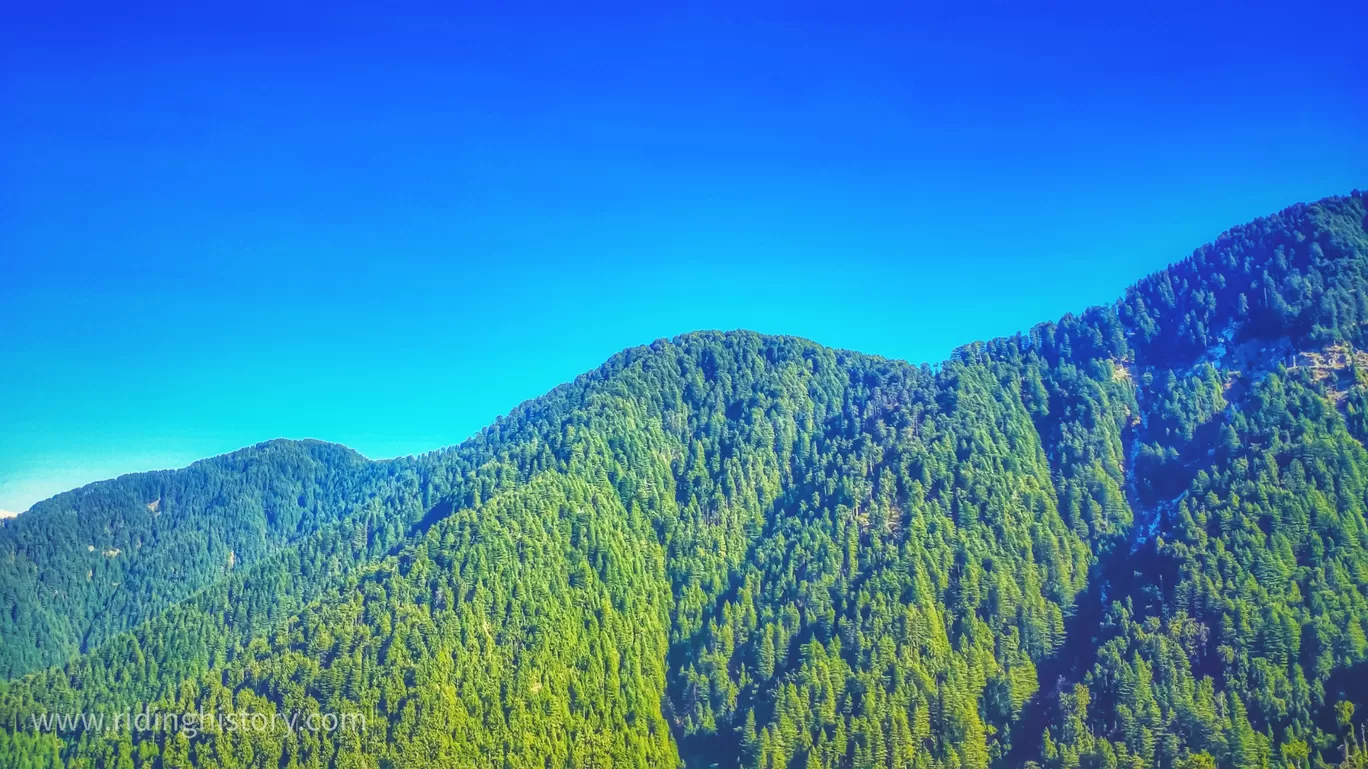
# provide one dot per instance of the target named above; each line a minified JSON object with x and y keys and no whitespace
{"x":223,"y":225}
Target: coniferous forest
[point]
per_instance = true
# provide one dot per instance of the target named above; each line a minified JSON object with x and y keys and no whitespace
{"x":1134,"y":537}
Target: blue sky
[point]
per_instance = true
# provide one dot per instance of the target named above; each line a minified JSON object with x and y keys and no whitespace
{"x":226,"y":224}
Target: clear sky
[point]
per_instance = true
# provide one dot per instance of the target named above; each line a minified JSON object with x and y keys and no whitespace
{"x":220,"y":225}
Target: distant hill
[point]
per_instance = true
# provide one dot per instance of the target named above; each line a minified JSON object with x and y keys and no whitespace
{"x":1135,"y":537}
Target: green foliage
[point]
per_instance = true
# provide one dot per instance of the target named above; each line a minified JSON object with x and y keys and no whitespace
{"x":83,"y":566}
{"x":1092,"y":545}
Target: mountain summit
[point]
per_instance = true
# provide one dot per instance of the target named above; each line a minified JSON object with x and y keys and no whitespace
{"x":1134,"y":537}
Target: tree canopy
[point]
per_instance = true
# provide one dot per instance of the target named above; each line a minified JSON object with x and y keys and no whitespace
{"x":1135,"y":537}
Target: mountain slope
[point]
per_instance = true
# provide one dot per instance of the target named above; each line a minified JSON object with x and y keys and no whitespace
{"x":89,"y":563}
{"x":1134,"y":537}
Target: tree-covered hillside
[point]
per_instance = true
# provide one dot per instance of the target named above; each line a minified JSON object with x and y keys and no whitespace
{"x":87,"y":564}
{"x":1135,"y":537}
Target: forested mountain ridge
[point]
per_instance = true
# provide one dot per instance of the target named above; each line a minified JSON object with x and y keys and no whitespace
{"x":88,"y":563}
{"x":1135,"y":537}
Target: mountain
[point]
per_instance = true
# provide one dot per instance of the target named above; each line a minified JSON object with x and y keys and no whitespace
{"x":99,"y":560}
{"x":1135,"y":537}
